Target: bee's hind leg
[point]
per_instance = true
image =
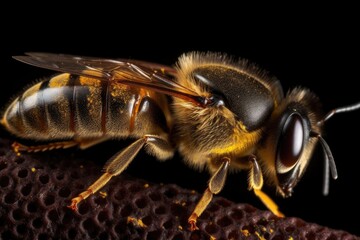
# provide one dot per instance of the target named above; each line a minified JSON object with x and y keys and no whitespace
{"x":18,"y":147}
{"x":82,"y":143}
{"x":155,"y":145}
{"x":216,"y":183}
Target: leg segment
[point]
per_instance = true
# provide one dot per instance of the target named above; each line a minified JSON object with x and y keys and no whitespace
{"x":256,"y":183}
{"x":18,"y":147}
{"x":87,"y":143}
{"x":82,"y":143}
{"x":122,"y":159}
{"x":216,"y":183}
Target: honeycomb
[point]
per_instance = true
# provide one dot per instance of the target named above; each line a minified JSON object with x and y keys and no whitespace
{"x":35,"y":190}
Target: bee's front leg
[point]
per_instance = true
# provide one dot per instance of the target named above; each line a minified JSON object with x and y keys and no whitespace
{"x":216,"y":183}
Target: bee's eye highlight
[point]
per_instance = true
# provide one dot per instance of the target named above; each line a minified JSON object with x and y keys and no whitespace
{"x":291,"y":143}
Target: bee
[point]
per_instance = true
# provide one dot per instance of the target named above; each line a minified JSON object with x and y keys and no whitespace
{"x":218,"y":113}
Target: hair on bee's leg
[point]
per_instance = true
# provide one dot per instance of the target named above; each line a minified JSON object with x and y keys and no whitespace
{"x":155,"y":145}
{"x":256,"y":182}
{"x":216,"y":183}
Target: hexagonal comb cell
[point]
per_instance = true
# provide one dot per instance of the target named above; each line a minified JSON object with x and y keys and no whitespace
{"x":36,"y":189}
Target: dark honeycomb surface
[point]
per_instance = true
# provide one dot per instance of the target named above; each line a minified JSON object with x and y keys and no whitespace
{"x":35,"y":190}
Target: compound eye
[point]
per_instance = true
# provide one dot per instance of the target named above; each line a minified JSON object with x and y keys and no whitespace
{"x":291,"y":143}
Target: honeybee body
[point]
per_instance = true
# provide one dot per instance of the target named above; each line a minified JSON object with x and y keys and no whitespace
{"x":218,"y":113}
{"x":75,"y":107}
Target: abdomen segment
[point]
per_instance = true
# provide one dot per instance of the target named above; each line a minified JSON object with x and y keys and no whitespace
{"x":66,"y":107}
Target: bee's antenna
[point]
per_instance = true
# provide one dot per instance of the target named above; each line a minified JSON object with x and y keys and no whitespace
{"x":340,"y":110}
{"x":329,"y":163}
{"x":329,"y":159}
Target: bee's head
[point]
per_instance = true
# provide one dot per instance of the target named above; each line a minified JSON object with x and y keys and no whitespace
{"x":289,"y":141}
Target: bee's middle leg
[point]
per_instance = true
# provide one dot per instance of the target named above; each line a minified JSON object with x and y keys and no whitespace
{"x":155,"y":145}
{"x":256,"y":183}
{"x":216,"y":183}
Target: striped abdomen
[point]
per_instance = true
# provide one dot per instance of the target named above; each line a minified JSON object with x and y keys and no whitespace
{"x":67,"y":106}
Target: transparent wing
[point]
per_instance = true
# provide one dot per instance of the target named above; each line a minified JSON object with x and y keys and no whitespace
{"x":134,"y":73}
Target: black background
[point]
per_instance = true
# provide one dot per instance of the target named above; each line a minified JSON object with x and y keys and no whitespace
{"x":317,"y":48}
